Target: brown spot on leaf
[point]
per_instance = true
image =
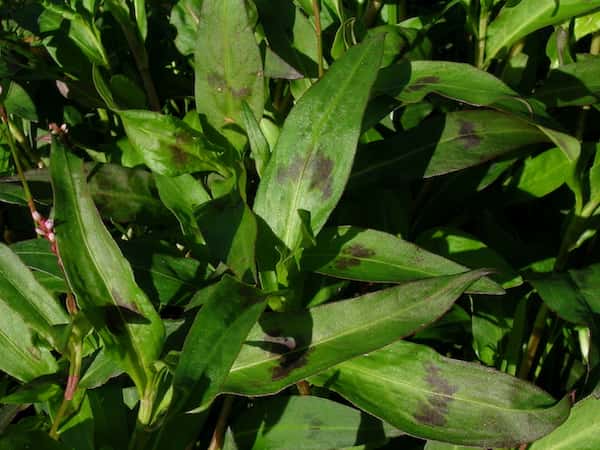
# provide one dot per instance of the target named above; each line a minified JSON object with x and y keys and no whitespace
{"x":290,"y":362}
{"x":241,"y":92}
{"x":320,"y":178}
{"x":421,"y":83}
{"x":123,"y":303}
{"x":433,"y":411}
{"x":346,"y":263}
{"x":467,"y":135}
{"x":216,"y":81}
{"x":179,"y":156}
{"x":359,"y":251}
{"x":291,"y":172}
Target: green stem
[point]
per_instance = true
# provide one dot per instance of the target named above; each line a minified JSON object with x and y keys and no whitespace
{"x":15,"y":154}
{"x":317,"y":14}
{"x":216,"y":442}
{"x":372,"y":10}
{"x":481,"y":37}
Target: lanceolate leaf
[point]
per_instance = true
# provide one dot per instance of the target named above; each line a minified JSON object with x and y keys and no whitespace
{"x":580,"y":431}
{"x":228,"y":67}
{"x":20,"y":357}
{"x":572,"y":85}
{"x":373,"y":256}
{"x":445,"y":144}
{"x":427,"y":395}
{"x":287,"y":347}
{"x":311,"y":162}
{"x":310,"y":422}
{"x":169,"y":146}
{"x":214,"y":341}
{"x":38,"y":257}
{"x":185,"y":17}
{"x":20,"y":291}
{"x":99,"y":275}
{"x":517,"y":21}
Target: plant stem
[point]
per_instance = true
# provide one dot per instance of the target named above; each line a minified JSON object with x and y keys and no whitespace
{"x":216,"y":442}
{"x":481,"y":37}
{"x":303,"y":387}
{"x":15,"y":155}
{"x":317,"y":14}
{"x":372,"y":10}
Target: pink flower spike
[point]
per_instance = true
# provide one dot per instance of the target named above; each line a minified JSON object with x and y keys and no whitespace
{"x":51,"y":236}
{"x":36,"y":216}
{"x":40,"y":232}
{"x":49,"y":224}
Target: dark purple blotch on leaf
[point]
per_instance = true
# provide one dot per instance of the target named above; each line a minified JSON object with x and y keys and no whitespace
{"x":290,"y":362}
{"x":467,"y":135}
{"x":320,"y":178}
{"x":346,"y":263}
{"x":433,"y":411}
{"x":359,"y":251}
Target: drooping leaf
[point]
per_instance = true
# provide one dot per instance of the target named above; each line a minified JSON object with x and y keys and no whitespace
{"x":309,"y":422}
{"x":214,"y":341}
{"x":287,"y":347}
{"x":445,"y":144}
{"x":517,"y":21}
{"x":169,"y":146}
{"x":572,"y":84}
{"x":580,"y":430}
{"x":373,"y":256}
{"x":20,"y":291}
{"x":17,"y":101}
{"x":261,"y":152}
{"x":311,"y":162}
{"x":228,"y":67}
{"x":427,"y":395}
{"x":100,"y":276}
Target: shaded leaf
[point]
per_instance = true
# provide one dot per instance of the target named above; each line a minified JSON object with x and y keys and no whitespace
{"x":572,"y":84}
{"x":100,"y":276}
{"x":373,"y":256}
{"x":309,"y":422}
{"x":433,"y":397}
{"x":185,"y":17}
{"x":313,"y":156}
{"x":445,"y":144}
{"x":213,"y":342}
{"x":38,"y":257}
{"x":17,"y":101}
{"x":287,"y":347}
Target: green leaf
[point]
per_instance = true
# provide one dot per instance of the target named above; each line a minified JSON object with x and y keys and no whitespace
{"x":38,"y":257}
{"x":228,"y":67}
{"x":586,"y":25}
{"x":445,"y":144}
{"x":288,"y":347}
{"x":126,"y":195}
{"x":517,"y":21}
{"x":572,"y":85}
{"x":427,"y":395}
{"x":26,"y":439}
{"x":373,"y":256}
{"x":214,"y":341}
{"x":580,"y":431}
{"x":20,"y":356}
{"x":185,"y":17}
{"x":169,"y":146}
{"x":261,"y":152}
{"x":541,"y":174}
{"x":183,"y":195}
{"x":17,"y":101}
{"x":309,"y":422}
{"x":100,"y":276}
{"x":574,"y":296}
{"x":468,"y":250}
{"x":311,"y":162}
{"x":20,"y":291}
{"x":434,"y":445}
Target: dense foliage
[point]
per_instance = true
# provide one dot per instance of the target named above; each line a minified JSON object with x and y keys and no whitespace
{"x":299,"y":224}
